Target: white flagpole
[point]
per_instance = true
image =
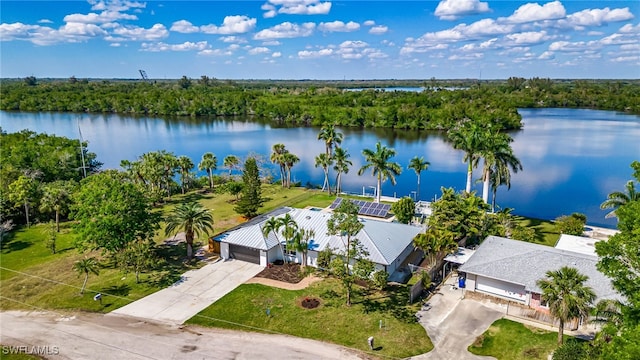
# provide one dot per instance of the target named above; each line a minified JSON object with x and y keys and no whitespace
{"x":84,"y":168}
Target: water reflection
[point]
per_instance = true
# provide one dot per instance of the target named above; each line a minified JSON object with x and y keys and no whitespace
{"x":572,"y":158}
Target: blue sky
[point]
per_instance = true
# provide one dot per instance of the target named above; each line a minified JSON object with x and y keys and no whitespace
{"x":317,"y":39}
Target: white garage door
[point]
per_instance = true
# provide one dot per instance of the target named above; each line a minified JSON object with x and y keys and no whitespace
{"x":501,"y":288}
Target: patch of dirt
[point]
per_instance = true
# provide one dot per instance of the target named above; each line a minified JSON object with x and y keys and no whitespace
{"x":310,"y":303}
{"x":289,"y":273}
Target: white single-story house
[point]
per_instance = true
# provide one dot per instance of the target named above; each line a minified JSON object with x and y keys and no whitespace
{"x":388,"y":243}
{"x":509,"y":269}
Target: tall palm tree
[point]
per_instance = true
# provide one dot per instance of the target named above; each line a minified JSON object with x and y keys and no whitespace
{"x":497,"y":152}
{"x":289,"y":227}
{"x":619,"y":198}
{"x":301,"y":240}
{"x":470,"y":137}
{"x":277,"y":157}
{"x":231,"y":162}
{"x":185,"y":164}
{"x":342,"y":163}
{"x":500,"y":175}
{"x":566,"y":295}
{"x":209,"y":162}
{"x":381,"y":167}
{"x":418,"y":164}
{"x":273,"y":226}
{"x":289,"y":161}
{"x":323,"y":160}
{"x":86,"y":266}
{"x":193,"y":219}
{"x":330,"y":136}
{"x":56,"y":198}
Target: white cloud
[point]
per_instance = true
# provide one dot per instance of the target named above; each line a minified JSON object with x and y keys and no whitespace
{"x":295,"y":7}
{"x":527,"y":38}
{"x":286,"y":30}
{"x":454,"y":9}
{"x":42,"y":35}
{"x":630,"y":29}
{"x":534,"y":12}
{"x":353,"y":44}
{"x":338,"y":26}
{"x":597,"y":17}
{"x":378,"y":30}
{"x":186,"y":46}
{"x":233,"y":39}
{"x":45,"y":21}
{"x":271,"y":43}
{"x":626,"y":59}
{"x":307,"y":54}
{"x":258,"y":50}
{"x":116,"y":5}
{"x":135,"y":33}
{"x":369,"y":23}
{"x":103,"y":17}
{"x":547,"y":55}
{"x":184,"y":27}
{"x":276,"y":54}
{"x":235,"y":24}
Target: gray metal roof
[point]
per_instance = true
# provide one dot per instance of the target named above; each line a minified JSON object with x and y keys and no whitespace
{"x":384,"y":241}
{"x":524,"y":263}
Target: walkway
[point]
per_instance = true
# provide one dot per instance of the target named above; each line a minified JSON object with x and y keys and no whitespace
{"x":195,"y":290}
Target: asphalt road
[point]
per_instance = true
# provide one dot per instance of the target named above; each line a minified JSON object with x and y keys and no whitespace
{"x":98,"y":337}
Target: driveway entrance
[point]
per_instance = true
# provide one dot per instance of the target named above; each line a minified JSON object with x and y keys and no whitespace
{"x":195,"y":290}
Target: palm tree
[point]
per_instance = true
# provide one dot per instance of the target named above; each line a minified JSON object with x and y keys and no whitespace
{"x":330,"y":136}
{"x":289,"y":161}
{"x":469,"y":137}
{"x":277,"y":157}
{"x":342,"y":163}
{"x":193,"y":219}
{"x":209,"y":162}
{"x":56,"y":198}
{"x":566,"y":295}
{"x":381,"y":167}
{"x":300,"y":241}
{"x":418,"y":164}
{"x":86,"y":266}
{"x":273,"y":225}
{"x":435,"y":243}
{"x":500,"y":175}
{"x":619,"y":198}
{"x":323,"y":160}
{"x":231,"y":162}
{"x":497,"y":152}
{"x":289,"y":227}
{"x":185,"y":164}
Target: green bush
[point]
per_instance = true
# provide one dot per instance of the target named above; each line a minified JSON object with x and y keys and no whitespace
{"x":380,"y":279}
{"x":571,"y":225}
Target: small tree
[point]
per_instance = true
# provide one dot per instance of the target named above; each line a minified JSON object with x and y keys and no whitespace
{"x":193,"y":219}
{"x":86,"y":266}
{"x":571,"y":225}
{"x":137,"y":257}
{"x":234,"y":188}
{"x":251,"y":199}
{"x":380,"y":278}
{"x":324,"y":258}
{"x":52,"y":235}
{"x":404,"y":209}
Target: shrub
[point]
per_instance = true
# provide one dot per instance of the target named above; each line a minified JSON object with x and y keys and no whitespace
{"x":380,"y":279}
{"x":571,"y":225}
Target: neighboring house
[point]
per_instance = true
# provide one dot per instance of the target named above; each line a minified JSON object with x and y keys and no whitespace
{"x":388,"y":243}
{"x":509,"y":269}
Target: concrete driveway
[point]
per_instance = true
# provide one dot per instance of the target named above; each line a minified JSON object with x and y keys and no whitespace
{"x":454,"y":323}
{"x":195,"y":290}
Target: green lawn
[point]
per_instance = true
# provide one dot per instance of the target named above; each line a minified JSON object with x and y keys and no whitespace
{"x":510,"y":340}
{"x":546,"y":233}
{"x":246,"y":308}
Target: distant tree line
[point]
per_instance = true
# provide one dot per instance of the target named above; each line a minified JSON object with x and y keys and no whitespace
{"x":436,"y":108}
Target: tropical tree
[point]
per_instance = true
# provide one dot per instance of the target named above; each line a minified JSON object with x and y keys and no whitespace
{"x":208,"y":163}
{"x":330,"y":136}
{"x":277,"y":157}
{"x":231,"y":162}
{"x":301,"y":241}
{"x":137,"y":257}
{"x":86,"y":266}
{"x":289,"y":228}
{"x":499,"y":175}
{"x":381,"y":167}
{"x":323,"y":160}
{"x":251,"y":199}
{"x":418,"y":164}
{"x":497,"y":153}
{"x":470,"y":137}
{"x":56,"y":197}
{"x":404,"y":209}
{"x":619,"y":198}
{"x":566,"y":295}
{"x":193,"y":219}
{"x":289,"y":161}
{"x":272,"y":225}
{"x":342,"y":164}
{"x":23,"y":192}
{"x":185,"y":164}
{"x":436,"y":244}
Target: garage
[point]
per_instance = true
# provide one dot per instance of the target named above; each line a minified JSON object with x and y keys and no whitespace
{"x":244,"y":253}
{"x":501,"y":288}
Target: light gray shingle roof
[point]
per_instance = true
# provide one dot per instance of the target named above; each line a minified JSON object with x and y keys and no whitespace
{"x":524,"y":263}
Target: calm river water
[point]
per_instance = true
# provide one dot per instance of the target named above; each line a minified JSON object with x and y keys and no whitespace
{"x":572,"y":158}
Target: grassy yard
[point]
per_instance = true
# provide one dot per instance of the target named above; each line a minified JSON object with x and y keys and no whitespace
{"x":546,"y":233}
{"x":246,"y":308}
{"x":510,"y":340}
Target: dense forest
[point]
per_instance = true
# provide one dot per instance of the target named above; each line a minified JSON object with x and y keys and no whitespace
{"x":440,"y":106}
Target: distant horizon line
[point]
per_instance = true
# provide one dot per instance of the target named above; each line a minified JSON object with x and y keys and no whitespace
{"x":321,"y":80}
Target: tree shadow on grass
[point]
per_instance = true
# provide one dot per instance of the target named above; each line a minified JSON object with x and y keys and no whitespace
{"x":9,"y":243}
{"x":394,"y":301}
{"x":117,"y":290}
